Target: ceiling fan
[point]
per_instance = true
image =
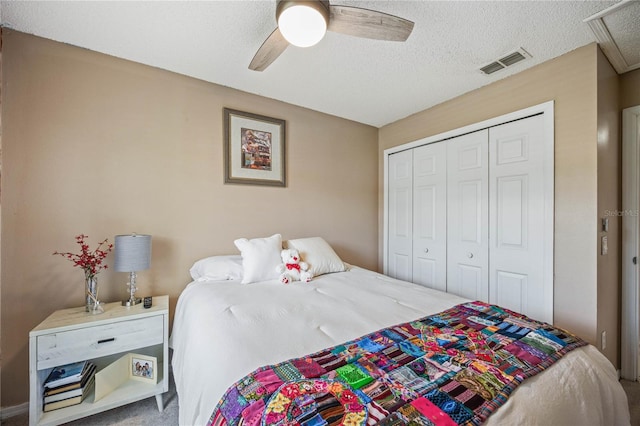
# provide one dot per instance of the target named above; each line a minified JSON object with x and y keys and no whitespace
{"x":304,"y":23}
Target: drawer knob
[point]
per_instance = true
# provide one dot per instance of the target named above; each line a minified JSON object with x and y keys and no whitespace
{"x":111,"y":339}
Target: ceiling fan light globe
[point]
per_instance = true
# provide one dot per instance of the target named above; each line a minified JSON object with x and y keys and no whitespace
{"x":301,"y":25}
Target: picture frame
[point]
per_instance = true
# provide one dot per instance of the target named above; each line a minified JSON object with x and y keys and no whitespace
{"x":254,"y":149}
{"x":143,"y":368}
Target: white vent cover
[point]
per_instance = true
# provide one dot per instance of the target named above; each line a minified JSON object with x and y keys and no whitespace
{"x":506,"y":61}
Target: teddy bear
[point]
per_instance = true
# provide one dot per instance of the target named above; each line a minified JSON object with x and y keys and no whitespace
{"x":292,"y":267}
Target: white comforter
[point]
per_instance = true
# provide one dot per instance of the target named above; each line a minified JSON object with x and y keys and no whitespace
{"x":223,"y":330}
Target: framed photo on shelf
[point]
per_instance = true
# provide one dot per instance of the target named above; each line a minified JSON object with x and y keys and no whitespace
{"x":143,"y":368}
{"x":254,"y":149}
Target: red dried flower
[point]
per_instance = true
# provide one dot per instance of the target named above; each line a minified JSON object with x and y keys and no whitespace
{"x":90,"y":261}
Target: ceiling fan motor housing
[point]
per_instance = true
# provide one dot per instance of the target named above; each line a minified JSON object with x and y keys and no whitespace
{"x":321,"y":6}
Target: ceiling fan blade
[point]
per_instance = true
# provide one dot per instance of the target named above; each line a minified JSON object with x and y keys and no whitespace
{"x":272,"y":47}
{"x":366,"y":23}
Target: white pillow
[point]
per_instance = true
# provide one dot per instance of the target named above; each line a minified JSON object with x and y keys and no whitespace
{"x":217,"y":268}
{"x":318,"y":254}
{"x":260,"y":258}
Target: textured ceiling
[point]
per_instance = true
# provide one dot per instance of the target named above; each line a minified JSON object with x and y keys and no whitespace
{"x":368,"y":81}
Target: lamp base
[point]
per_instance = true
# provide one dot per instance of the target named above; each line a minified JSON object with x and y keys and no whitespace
{"x":131,"y":302}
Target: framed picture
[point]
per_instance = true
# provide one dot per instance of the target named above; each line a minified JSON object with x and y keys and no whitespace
{"x":143,"y":368}
{"x":254,"y":148}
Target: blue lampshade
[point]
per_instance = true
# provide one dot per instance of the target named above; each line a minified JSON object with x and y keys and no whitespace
{"x":132,"y":252}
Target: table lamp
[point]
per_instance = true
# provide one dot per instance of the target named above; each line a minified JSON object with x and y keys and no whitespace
{"x":132,"y":254}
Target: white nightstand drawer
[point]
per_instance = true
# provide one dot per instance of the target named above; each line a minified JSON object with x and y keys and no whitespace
{"x":97,"y":341}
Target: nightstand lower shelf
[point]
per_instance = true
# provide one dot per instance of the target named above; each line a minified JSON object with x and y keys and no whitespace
{"x":129,"y":392}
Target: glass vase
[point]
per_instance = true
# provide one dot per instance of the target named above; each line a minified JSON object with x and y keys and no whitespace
{"x":93,"y":305}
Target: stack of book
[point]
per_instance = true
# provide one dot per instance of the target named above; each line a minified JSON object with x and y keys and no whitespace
{"x":68,"y":385}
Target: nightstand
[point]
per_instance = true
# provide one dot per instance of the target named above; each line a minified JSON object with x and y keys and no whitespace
{"x":71,"y":335}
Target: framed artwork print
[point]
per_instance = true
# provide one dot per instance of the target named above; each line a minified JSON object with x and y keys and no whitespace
{"x":253,"y":149}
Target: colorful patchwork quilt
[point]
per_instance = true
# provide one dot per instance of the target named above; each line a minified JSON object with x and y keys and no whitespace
{"x":452,"y":368}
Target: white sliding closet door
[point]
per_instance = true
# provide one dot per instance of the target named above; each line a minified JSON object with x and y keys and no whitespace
{"x":400,"y":215}
{"x":517,"y":216}
{"x":430,"y":216}
{"x":467,"y":216}
{"x":471,"y":212}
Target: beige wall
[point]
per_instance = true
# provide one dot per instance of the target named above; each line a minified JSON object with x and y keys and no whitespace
{"x":97,"y":145}
{"x":609,"y":200}
{"x":630,"y":89}
{"x":570,"y":81}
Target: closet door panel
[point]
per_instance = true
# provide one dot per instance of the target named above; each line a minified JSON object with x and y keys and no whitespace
{"x":509,"y":290}
{"x":516,"y":193}
{"x":470,"y":204}
{"x":429,"y":216}
{"x":511,"y":210}
{"x":470,"y":281}
{"x":400,"y":215}
{"x":467,"y":216}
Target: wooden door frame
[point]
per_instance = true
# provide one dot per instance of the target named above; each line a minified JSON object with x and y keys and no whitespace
{"x":630,"y":315}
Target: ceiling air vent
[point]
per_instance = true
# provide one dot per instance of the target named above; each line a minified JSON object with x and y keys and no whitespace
{"x":505,"y":61}
{"x":492,"y":67}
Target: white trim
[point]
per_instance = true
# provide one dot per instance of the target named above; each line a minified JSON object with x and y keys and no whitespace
{"x":630,"y":291}
{"x":548,"y":110}
{"x":546,"y":107}
{"x":385,"y":215}
{"x":549,"y":210}
{"x":606,"y":41}
{"x":609,"y":10}
{"x":16,"y":410}
{"x":609,"y":46}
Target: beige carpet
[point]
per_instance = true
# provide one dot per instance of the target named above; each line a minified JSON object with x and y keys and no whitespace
{"x":146,"y":412}
{"x":633,"y":395}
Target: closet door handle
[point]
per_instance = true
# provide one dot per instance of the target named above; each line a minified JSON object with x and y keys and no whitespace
{"x":470,"y":255}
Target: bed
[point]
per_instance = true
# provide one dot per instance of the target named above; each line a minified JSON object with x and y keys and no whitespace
{"x":223,"y":330}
